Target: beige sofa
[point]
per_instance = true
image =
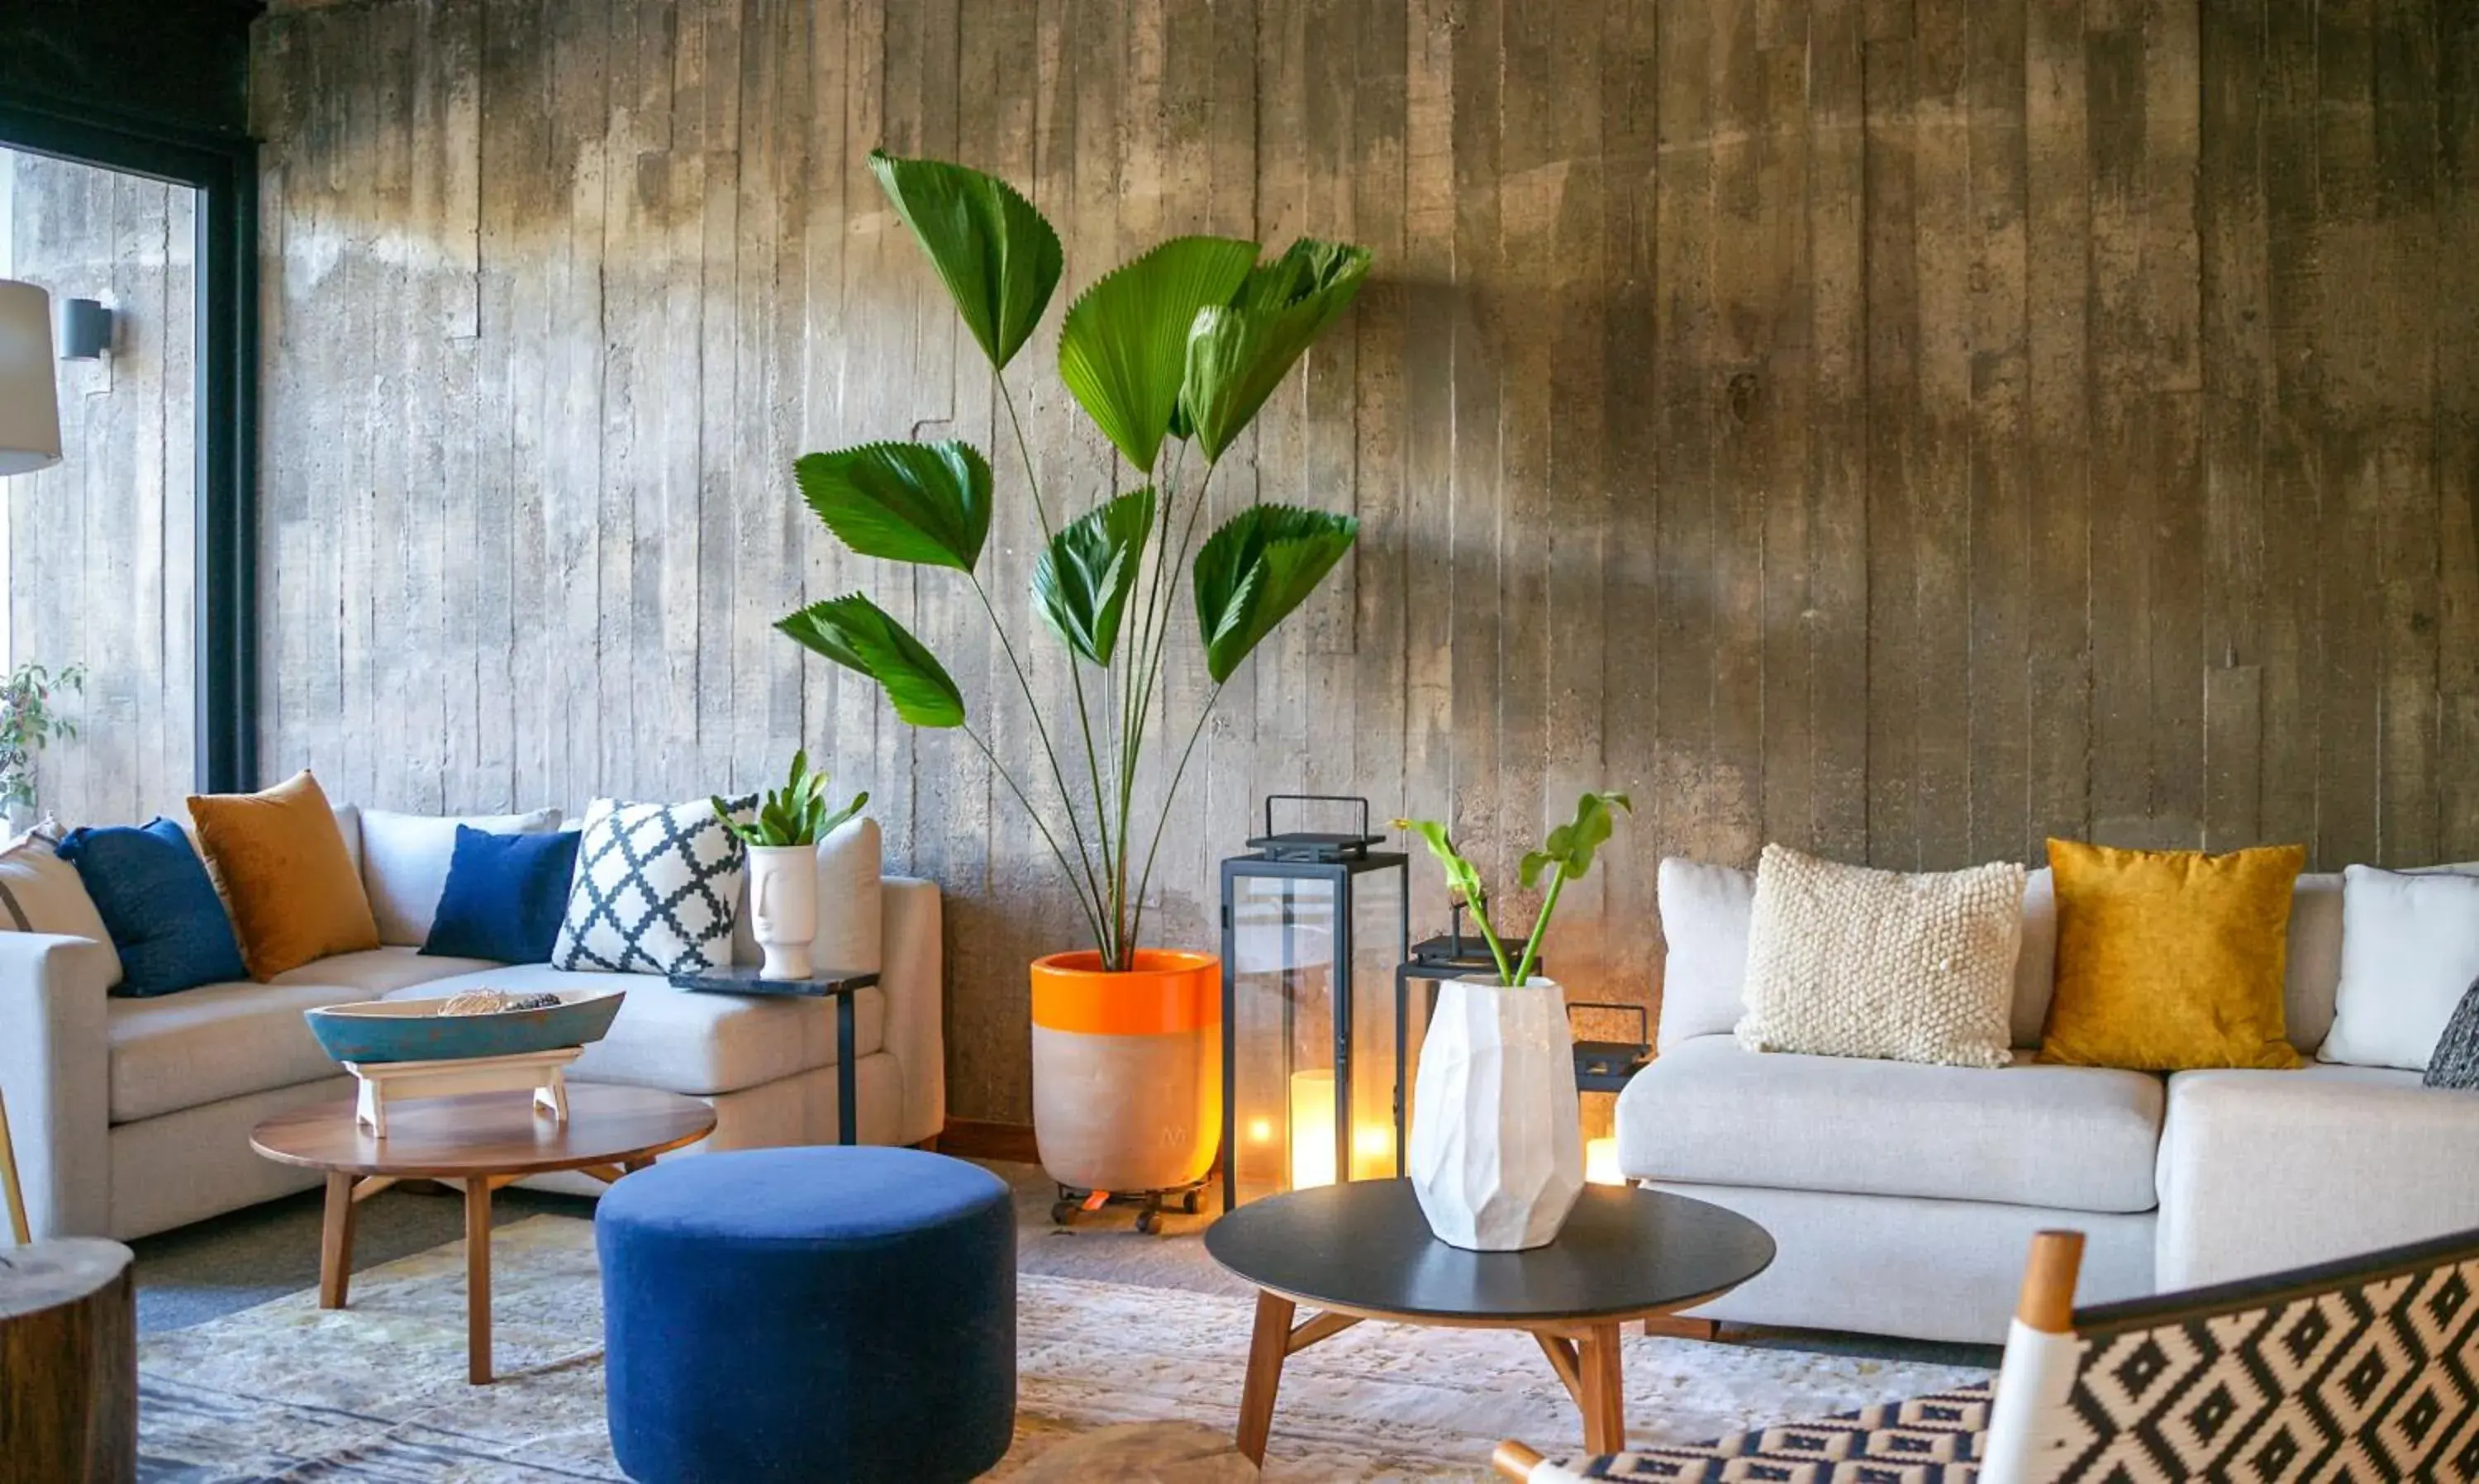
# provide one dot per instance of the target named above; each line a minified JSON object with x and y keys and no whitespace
{"x":1904,"y":1196}
{"x":133,"y":1115}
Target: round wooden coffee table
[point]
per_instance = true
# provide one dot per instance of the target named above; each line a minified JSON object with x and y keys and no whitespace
{"x":1362,"y":1250}
{"x":482,"y":1140}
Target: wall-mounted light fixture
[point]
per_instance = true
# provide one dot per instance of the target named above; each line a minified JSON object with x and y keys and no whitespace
{"x":85,"y":330}
{"x":29,"y":409}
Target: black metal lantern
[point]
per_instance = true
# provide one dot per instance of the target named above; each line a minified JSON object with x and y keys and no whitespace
{"x":1311,"y":1038}
{"x":1604,"y":1068}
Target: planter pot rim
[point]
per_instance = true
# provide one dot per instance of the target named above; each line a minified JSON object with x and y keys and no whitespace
{"x":1168,"y":991}
{"x":1490,"y":982}
{"x":1149,"y":961}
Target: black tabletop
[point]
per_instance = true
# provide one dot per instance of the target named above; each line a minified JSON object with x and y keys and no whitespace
{"x":746,"y":979}
{"x":1364,"y":1245}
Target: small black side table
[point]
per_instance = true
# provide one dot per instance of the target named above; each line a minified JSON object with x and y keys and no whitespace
{"x":825,"y":985}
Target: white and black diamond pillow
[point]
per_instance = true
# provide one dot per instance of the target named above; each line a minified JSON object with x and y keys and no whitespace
{"x":654,"y":888}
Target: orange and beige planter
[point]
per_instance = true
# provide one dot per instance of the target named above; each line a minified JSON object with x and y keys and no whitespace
{"x":1127,"y":1069}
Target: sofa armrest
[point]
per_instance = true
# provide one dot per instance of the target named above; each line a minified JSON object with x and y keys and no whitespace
{"x":55,"y":1065}
{"x":914,"y":979}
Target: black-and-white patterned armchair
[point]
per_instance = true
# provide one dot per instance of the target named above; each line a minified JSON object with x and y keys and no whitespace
{"x":2365,"y":1368}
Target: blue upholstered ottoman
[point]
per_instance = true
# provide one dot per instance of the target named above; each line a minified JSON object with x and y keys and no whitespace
{"x":809,"y":1315}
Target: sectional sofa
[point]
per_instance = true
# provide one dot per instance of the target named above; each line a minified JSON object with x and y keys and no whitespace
{"x":1903,"y":1196}
{"x":133,"y":1115}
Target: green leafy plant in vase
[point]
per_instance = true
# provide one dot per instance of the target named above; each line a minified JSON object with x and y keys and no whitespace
{"x":782,"y":836}
{"x":1169,"y":355}
{"x":1496,"y":1149}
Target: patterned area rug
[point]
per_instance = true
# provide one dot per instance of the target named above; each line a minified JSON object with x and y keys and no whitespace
{"x":287,"y":1391}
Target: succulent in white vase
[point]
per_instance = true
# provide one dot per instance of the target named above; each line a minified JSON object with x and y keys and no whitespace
{"x":782,"y":843}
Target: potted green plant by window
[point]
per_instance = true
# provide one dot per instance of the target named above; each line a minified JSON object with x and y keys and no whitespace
{"x":782,"y":845}
{"x":1496,"y":1149}
{"x":1170,"y":355}
{"x":29,"y":723}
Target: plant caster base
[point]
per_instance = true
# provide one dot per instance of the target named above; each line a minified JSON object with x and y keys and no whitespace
{"x":1073,"y":1203}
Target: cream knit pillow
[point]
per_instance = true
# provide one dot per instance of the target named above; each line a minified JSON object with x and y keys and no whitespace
{"x":1846,"y":962}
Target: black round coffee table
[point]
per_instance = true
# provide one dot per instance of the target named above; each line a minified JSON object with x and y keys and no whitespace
{"x":1362,"y":1250}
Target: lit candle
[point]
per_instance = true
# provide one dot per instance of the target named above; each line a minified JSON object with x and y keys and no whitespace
{"x":1311,"y":1127}
{"x":1602,"y":1162}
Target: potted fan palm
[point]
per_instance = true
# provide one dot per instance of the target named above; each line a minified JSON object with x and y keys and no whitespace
{"x":1496,"y":1149}
{"x":1170,"y":355}
{"x":782,"y":839}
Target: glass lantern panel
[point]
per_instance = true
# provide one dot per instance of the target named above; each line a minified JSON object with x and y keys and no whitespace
{"x":1285,"y":936}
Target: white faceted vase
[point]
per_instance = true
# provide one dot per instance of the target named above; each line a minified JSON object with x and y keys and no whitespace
{"x":783,"y":907}
{"x":1496,"y":1149}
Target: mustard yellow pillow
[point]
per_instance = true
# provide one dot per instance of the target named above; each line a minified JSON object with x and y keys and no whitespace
{"x":2169,"y":959}
{"x":290,"y":884}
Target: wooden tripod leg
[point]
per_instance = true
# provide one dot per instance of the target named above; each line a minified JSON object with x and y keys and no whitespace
{"x":336,"y":1241}
{"x":1268,"y":1344}
{"x":477,"y":1280}
{"x":1604,"y":1395}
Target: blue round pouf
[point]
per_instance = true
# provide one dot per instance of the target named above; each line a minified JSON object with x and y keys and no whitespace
{"x":809,"y":1315}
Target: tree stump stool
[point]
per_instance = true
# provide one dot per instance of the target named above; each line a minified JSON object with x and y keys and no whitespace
{"x":68,"y":1363}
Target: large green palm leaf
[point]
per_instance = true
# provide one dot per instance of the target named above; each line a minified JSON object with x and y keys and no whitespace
{"x":1239,"y":353}
{"x":1084,"y":577}
{"x":1123,"y":346}
{"x":859,"y":635}
{"x":1252,"y":573}
{"x":998,"y":256}
{"x":923,"y":503}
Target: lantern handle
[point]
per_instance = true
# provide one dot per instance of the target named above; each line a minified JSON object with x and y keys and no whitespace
{"x":1272,"y":799}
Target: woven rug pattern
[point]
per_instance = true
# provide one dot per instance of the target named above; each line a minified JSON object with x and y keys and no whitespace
{"x":376,"y":1392}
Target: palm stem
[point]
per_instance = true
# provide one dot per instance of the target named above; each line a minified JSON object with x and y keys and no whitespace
{"x":1084,"y":902}
{"x":1539,"y":925}
{"x":1066,"y":800}
{"x":1145,"y":883}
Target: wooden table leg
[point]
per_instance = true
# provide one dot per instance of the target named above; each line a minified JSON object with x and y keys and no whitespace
{"x":1604,"y":1396}
{"x":477,"y":1280}
{"x":336,"y":1241}
{"x":1268,"y":1344}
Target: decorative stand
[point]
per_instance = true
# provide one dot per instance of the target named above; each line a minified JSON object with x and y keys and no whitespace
{"x":539,"y":1072}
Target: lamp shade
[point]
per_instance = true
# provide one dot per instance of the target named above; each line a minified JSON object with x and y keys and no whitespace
{"x":29,"y":409}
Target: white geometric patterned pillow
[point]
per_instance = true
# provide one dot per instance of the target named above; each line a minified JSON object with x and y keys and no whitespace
{"x":654,"y":888}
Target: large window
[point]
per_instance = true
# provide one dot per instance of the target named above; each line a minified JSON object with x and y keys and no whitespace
{"x":100,"y":571}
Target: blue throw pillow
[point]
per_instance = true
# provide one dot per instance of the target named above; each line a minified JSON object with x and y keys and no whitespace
{"x":159,"y":905}
{"x":504,"y":896}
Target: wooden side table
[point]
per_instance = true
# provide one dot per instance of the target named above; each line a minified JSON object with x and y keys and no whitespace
{"x":68,"y":1363}
{"x":836,"y":985}
{"x":482,"y":1140}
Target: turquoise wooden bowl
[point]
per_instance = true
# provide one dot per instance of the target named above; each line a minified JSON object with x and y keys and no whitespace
{"x":414,"y":1029}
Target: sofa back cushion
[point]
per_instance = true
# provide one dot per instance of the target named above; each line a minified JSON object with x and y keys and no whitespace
{"x":40,"y":892}
{"x":406,"y":860}
{"x":1705,"y":911}
{"x":850,"y":926}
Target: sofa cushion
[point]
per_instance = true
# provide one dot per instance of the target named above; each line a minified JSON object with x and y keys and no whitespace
{"x":376,"y":973}
{"x":2409,"y":948}
{"x":40,"y":892}
{"x":227,"y":1040}
{"x":1710,"y":1112}
{"x":682,"y":1041}
{"x":2266,"y":1170}
{"x":171,"y":1052}
{"x":160,"y":906}
{"x":406,"y":860}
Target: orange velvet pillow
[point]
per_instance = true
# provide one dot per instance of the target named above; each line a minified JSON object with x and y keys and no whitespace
{"x":286,"y":874}
{"x":2169,"y":959}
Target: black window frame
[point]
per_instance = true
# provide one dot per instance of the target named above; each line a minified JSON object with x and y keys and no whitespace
{"x":223,"y":170}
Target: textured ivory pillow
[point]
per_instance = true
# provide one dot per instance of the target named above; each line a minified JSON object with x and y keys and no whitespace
{"x":287,"y":874}
{"x":2171,"y":960}
{"x":1847,"y":961}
